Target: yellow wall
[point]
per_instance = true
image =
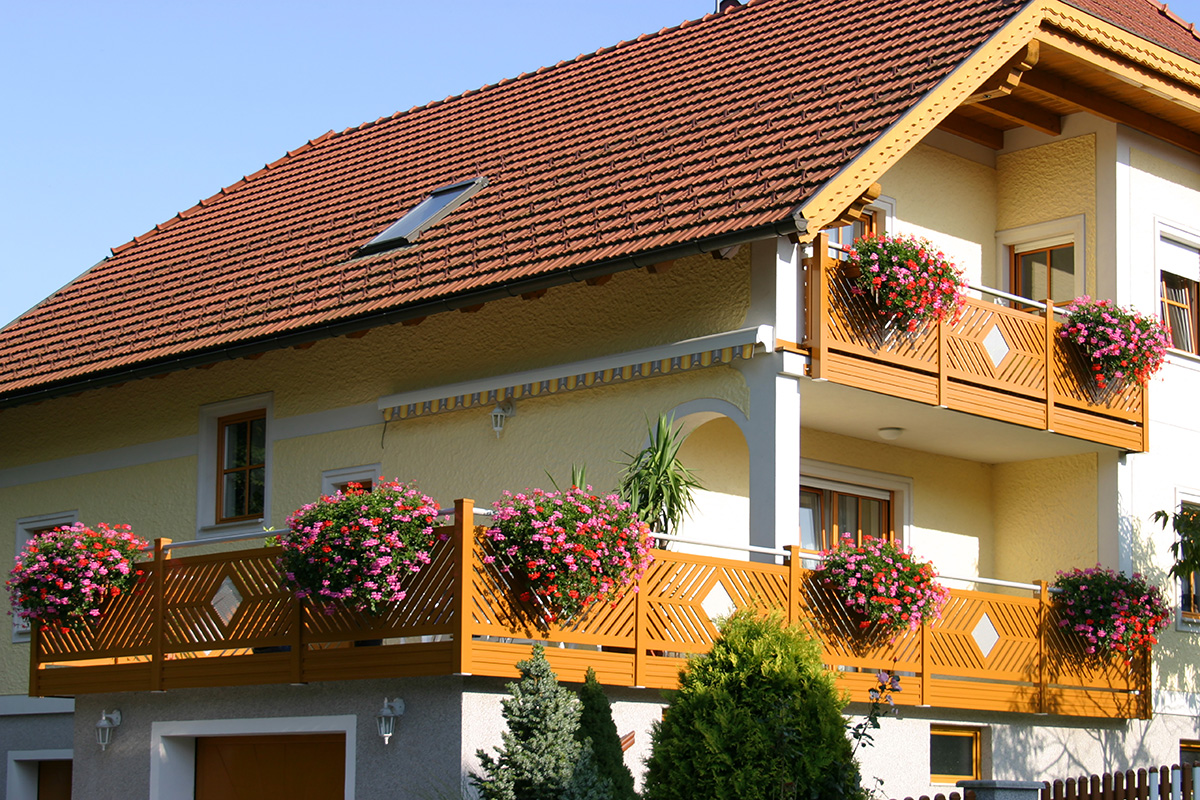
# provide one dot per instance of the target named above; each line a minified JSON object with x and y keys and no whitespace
{"x":949,"y":200}
{"x":1050,"y":182}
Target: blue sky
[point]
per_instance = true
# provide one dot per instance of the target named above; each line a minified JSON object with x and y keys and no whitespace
{"x":118,"y":115}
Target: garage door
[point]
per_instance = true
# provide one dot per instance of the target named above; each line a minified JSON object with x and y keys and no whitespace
{"x":289,"y":767}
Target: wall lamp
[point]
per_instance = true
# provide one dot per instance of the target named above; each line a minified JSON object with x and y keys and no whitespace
{"x":387,"y":716}
{"x":104,"y":728}
{"x":503,"y":410}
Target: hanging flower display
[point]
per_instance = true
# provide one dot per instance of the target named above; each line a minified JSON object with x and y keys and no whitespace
{"x":1123,"y":345}
{"x":360,"y":547}
{"x":1110,"y":612}
{"x":569,"y":549}
{"x":883,"y":584}
{"x":911,"y":281}
{"x":63,"y":577}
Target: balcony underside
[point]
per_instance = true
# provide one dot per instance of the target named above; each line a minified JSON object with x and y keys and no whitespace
{"x":988,"y":651}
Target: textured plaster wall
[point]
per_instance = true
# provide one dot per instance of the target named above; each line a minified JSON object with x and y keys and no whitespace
{"x":1046,"y":516}
{"x":949,"y":200}
{"x":952,"y":498}
{"x":1050,"y":182}
{"x":34,"y":732}
{"x":719,"y":457}
{"x":421,"y":762}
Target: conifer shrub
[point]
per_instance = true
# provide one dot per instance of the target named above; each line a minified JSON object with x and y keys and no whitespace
{"x":758,"y":717}
{"x":540,"y":758}
{"x":596,"y":724}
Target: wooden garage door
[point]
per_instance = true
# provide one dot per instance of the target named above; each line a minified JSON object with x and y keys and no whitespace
{"x":290,"y":767}
{"x":54,"y":780}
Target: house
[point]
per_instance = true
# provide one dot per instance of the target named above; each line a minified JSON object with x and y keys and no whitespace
{"x":652,"y":228}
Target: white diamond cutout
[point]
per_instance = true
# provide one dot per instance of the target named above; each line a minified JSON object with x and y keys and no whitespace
{"x":985,"y":635}
{"x":996,"y":345}
{"x":717,"y":603}
{"x":226,"y":601}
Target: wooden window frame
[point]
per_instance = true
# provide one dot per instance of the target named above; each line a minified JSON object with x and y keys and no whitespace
{"x":1014,"y":270}
{"x":222,"y":424}
{"x":976,"y":736}
{"x":868,"y":224}
{"x":1191,"y":309}
{"x":828,"y":532}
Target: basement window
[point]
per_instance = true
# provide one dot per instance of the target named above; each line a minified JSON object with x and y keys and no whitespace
{"x":428,"y":212}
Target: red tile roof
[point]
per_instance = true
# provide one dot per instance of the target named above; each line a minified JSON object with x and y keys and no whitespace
{"x":1148,"y":19}
{"x":717,"y":126}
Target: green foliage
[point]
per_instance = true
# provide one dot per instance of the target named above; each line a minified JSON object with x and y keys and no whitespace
{"x":655,"y":483}
{"x":757,"y":718}
{"x":1186,"y":547}
{"x":596,"y":724}
{"x":540,"y":758}
{"x":578,"y":477}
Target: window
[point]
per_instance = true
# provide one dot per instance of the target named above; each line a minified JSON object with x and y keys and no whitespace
{"x":1188,"y":586}
{"x":846,"y":234}
{"x":335,"y":480}
{"x":27,"y":528}
{"x":1044,"y":272}
{"x":830,"y":512}
{"x":234,"y":454}
{"x":428,"y":212}
{"x":954,"y":754}
{"x":1189,"y":754}
{"x":242,"y":456}
{"x":1177,"y":256}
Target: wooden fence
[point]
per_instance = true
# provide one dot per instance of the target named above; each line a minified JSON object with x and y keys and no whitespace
{"x":997,"y":362}
{"x":1157,"y":783}
{"x":229,"y":619}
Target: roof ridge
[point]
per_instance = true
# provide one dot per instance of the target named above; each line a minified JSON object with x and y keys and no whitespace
{"x":209,"y":201}
{"x":582,"y":57}
{"x":1165,"y":10}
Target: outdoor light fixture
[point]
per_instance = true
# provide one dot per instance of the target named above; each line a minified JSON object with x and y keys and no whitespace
{"x":503,"y":410}
{"x":890,"y":434}
{"x":387,"y":716}
{"x":104,"y":727}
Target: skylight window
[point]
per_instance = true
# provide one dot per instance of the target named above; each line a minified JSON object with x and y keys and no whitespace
{"x":428,"y":212}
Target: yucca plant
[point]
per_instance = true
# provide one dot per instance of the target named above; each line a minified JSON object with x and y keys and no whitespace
{"x":656,"y":484}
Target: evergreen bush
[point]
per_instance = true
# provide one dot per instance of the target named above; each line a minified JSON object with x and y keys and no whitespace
{"x":596,"y":724}
{"x":757,"y":718}
{"x":540,"y":758}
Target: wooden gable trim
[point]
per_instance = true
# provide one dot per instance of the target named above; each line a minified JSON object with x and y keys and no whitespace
{"x":1009,"y":76}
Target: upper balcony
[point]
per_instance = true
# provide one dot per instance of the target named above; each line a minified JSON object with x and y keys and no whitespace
{"x":227,"y":619}
{"x":997,"y":362}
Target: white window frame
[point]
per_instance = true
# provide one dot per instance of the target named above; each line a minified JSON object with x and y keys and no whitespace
{"x":206,"y":466}
{"x":1068,"y":230}
{"x":1188,"y":237}
{"x":173,"y":747}
{"x":868,"y":483}
{"x":332,"y":478}
{"x":1192,"y":498}
{"x":23,"y":771}
{"x":25,"y":528}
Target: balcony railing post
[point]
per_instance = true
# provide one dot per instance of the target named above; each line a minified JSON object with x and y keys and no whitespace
{"x":795,"y":582}
{"x":1043,"y":645}
{"x":463,"y":539}
{"x":816,"y":311}
{"x":1050,"y":343}
{"x":299,"y":642}
{"x":943,"y":334}
{"x":35,"y":645}
{"x":926,"y":698}
{"x":639,"y":632}
{"x":158,"y":620}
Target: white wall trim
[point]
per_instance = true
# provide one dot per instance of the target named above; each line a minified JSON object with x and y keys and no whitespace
{"x":23,"y":771}
{"x":206,"y":464}
{"x":1071,"y":230}
{"x":694,"y":413}
{"x":173,"y":750}
{"x":16,"y":704}
{"x":118,"y":458}
{"x":25,"y":528}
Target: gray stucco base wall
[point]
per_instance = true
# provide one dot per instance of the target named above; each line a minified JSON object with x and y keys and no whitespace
{"x":145,"y":759}
{"x":25,"y":735}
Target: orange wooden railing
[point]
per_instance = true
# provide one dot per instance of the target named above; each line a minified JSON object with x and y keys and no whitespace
{"x":995,"y":362}
{"x":228,"y":619}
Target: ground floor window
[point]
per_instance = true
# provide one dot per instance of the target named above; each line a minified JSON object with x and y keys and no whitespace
{"x":954,"y":754}
{"x":1189,"y":754}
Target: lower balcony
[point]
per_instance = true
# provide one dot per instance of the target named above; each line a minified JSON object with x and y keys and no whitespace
{"x":227,"y":619}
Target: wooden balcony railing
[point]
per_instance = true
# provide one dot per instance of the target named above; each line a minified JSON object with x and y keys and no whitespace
{"x":995,"y":362}
{"x":228,"y":619}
